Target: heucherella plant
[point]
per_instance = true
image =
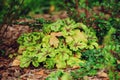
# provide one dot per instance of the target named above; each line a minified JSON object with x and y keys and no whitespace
{"x":59,"y":44}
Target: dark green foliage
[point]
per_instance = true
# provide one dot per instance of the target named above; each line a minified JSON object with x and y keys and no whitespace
{"x":97,"y":60}
{"x":112,"y":7}
{"x":40,"y":6}
{"x":10,"y":10}
{"x":103,"y":27}
{"x":115,"y":22}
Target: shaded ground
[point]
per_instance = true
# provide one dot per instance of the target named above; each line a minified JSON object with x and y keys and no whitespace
{"x":8,"y":72}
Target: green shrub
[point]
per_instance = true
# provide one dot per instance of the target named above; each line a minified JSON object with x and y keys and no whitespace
{"x":59,"y":44}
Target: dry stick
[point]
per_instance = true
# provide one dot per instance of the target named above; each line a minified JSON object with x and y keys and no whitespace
{"x":77,"y":7}
{"x":5,"y":19}
{"x":86,"y":11}
{"x":67,"y":7}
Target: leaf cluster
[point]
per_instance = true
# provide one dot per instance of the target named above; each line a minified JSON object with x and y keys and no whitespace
{"x":59,"y":44}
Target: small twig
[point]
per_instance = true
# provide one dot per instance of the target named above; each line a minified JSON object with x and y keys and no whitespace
{"x":77,"y":7}
{"x":86,"y":10}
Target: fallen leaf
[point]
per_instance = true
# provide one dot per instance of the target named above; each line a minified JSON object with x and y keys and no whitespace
{"x":105,"y":79}
{"x":56,"y":34}
{"x":54,"y":41}
{"x":52,"y":8}
{"x":102,"y":74}
{"x":118,"y":61}
{"x":86,"y":78}
{"x":75,"y":67}
{"x":41,"y":72}
{"x":16,"y":61}
{"x":21,"y":49}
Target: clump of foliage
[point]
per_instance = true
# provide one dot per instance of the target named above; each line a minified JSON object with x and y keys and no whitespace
{"x":106,"y":29}
{"x":59,"y":44}
{"x":98,"y":59}
{"x":115,"y":23}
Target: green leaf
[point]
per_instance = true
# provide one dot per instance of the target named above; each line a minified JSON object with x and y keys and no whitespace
{"x":41,"y":57}
{"x":55,"y":75}
{"x":73,"y":61}
{"x":66,"y":76}
{"x":67,"y":31}
{"x":35,"y":63}
{"x":77,"y":54}
{"x":63,"y":56}
{"x":75,"y":46}
{"x":90,"y":47}
{"x":25,"y":62}
{"x":94,"y":44}
{"x":50,"y":63}
{"x":79,"y":36}
{"x":55,"y":27}
{"x":52,"y":78}
{"x":45,"y":41}
{"x":46,"y":29}
{"x":61,"y":64}
{"x":84,"y":27}
{"x":92,"y":72}
{"x":30,"y":48}
{"x":52,"y":54}
{"x":63,"y":53}
{"x":68,"y":39}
